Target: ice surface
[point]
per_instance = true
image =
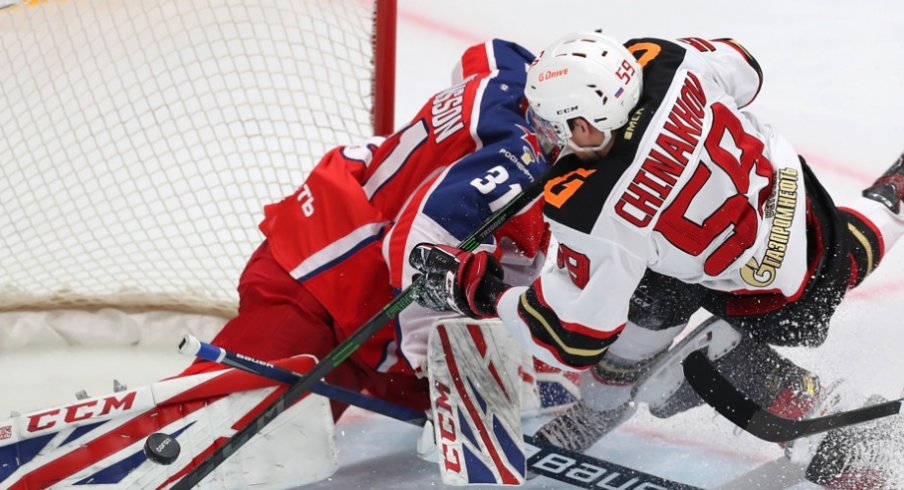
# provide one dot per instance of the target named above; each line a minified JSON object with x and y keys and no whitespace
{"x":833,"y":78}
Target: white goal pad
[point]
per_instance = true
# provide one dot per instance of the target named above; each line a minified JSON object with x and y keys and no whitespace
{"x":98,"y":442}
{"x":474,"y":392}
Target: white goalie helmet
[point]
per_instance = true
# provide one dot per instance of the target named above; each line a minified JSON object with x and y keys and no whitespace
{"x":585,"y":74}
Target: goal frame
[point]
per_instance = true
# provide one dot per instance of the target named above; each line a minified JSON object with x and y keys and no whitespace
{"x":385,"y":25}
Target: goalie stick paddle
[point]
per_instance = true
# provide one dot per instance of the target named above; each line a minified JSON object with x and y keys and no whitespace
{"x":389,"y":312}
{"x":737,"y":407}
{"x":558,"y":464}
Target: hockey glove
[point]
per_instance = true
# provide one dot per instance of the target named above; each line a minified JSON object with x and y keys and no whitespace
{"x":455,"y":280}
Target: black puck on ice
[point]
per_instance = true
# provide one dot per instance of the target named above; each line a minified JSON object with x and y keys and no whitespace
{"x":161,"y":448}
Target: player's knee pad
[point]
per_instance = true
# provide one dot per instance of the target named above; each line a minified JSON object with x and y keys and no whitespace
{"x":610,"y":383}
{"x":660,"y":302}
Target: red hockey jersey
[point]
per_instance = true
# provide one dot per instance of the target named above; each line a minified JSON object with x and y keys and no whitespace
{"x":347,"y":231}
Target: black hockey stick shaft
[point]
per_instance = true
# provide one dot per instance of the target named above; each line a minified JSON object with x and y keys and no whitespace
{"x":350,"y":345}
{"x":550,"y":461}
{"x":733,"y":404}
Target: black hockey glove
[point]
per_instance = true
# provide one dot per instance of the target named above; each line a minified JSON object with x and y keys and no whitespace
{"x":455,"y":280}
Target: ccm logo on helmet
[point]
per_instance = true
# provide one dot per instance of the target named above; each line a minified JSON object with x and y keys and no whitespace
{"x":550,"y":74}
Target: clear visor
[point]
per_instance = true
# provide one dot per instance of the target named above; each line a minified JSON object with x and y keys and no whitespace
{"x":553,"y":137}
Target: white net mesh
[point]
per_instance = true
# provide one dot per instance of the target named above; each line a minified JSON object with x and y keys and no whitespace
{"x":141,"y":138}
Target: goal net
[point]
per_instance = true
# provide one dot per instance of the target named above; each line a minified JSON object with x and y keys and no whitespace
{"x":141,"y":139}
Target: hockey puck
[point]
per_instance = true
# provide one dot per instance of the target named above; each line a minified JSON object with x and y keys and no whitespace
{"x":161,"y":448}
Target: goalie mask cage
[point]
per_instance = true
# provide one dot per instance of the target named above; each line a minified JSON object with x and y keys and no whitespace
{"x":141,"y":138}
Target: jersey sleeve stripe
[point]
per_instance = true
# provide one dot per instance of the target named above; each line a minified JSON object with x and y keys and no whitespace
{"x":572,"y":348}
{"x":555,"y":353}
{"x":399,"y":234}
{"x":475,"y":65}
{"x":571,"y":326}
{"x":412,"y":138}
{"x":747,"y":57}
{"x":337,"y":251}
{"x":865,"y":235}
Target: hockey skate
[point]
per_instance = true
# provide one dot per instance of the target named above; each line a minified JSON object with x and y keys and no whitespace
{"x":889,"y":188}
{"x":607,"y":401}
{"x":581,"y":426}
{"x":613,"y":389}
{"x":860,"y":456}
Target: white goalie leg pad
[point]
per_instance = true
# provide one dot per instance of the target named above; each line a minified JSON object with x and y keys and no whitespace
{"x":98,"y":442}
{"x":476,"y":403}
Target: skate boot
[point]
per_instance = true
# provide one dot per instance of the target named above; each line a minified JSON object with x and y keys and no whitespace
{"x":581,"y":426}
{"x":606,"y":402}
{"x":863,"y":456}
{"x":889,"y":188}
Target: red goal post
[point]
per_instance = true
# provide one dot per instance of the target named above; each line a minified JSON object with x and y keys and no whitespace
{"x":141,"y":138}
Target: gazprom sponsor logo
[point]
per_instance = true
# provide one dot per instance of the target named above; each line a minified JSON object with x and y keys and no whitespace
{"x":761,"y":272}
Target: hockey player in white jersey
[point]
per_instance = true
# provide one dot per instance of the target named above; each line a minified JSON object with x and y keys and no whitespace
{"x":667,"y":187}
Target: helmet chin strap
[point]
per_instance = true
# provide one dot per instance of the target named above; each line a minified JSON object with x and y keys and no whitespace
{"x":607,"y":137}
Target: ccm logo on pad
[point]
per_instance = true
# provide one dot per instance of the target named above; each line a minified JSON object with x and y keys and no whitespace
{"x":98,"y":407}
{"x":445,"y":422}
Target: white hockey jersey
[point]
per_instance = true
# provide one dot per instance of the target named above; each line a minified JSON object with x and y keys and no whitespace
{"x":694,"y":188}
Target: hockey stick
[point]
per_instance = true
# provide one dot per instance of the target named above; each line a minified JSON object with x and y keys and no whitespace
{"x":298,"y":389}
{"x":737,"y":407}
{"x":585,"y":471}
{"x":550,"y":461}
{"x":192,"y":346}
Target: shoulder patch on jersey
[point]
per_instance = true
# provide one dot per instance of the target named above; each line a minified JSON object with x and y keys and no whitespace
{"x":660,"y":61}
{"x":577,"y":189}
